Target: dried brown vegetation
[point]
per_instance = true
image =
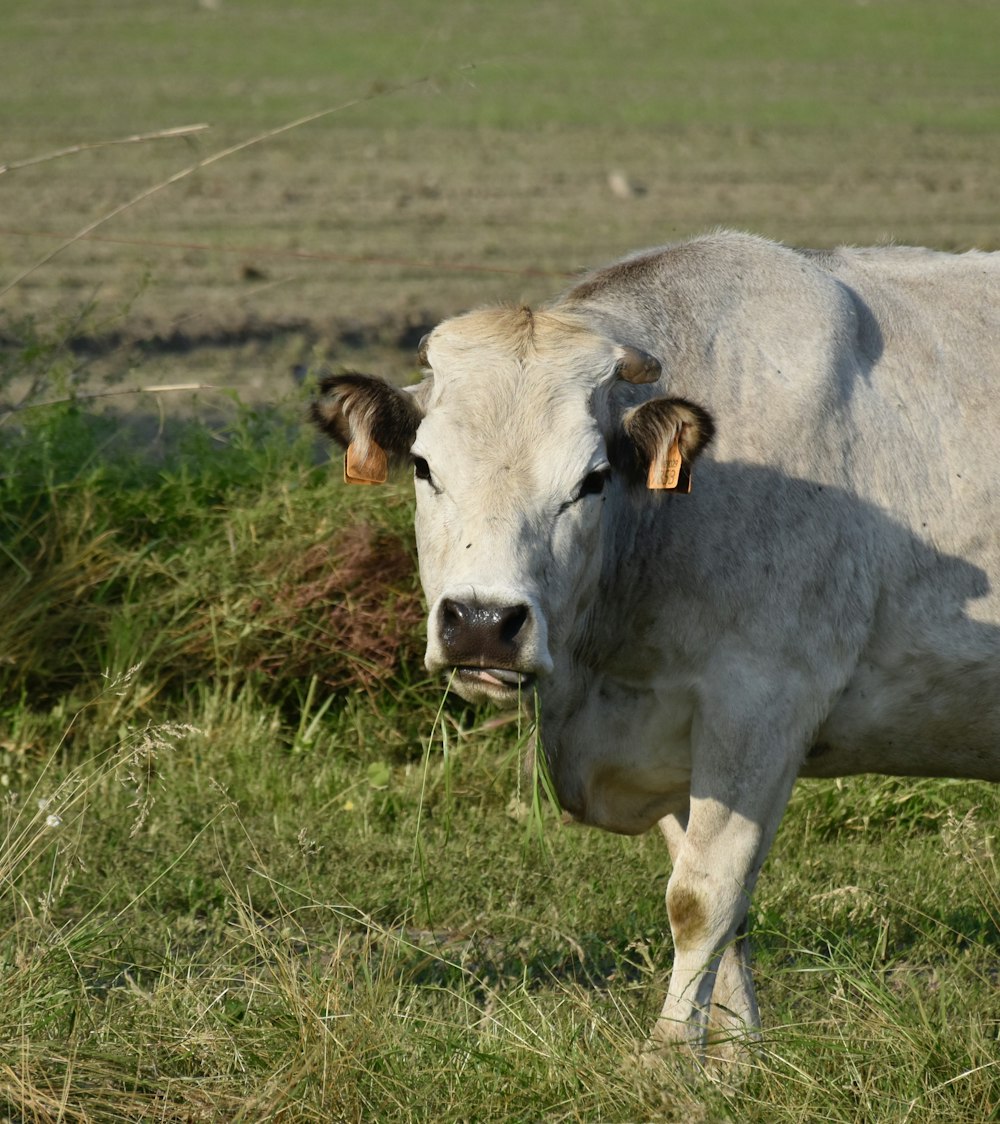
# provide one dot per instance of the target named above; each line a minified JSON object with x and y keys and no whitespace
{"x":347,"y":611}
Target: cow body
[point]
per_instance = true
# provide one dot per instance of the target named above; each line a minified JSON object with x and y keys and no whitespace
{"x":824,"y":602}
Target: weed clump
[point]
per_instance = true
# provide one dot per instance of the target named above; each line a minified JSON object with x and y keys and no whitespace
{"x":214,"y":551}
{"x":356,"y":591}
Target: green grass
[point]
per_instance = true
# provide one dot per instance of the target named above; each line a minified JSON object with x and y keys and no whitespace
{"x":813,"y":123}
{"x":249,"y":874}
{"x":516,"y":65}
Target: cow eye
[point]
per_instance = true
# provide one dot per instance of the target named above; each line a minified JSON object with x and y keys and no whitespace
{"x":421,"y":469}
{"x":593,"y":483}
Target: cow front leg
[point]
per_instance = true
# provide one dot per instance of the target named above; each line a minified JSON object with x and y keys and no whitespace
{"x":708,"y":897}
{"x":734,"y":1010}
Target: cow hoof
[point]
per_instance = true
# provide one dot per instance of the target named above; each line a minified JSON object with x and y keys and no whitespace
{"x":725,"y":1060}
{"x":670,"y":1059}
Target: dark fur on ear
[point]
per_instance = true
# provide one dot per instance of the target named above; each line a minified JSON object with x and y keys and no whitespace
{"x":648,"y":430}
{"x":362,"y":410}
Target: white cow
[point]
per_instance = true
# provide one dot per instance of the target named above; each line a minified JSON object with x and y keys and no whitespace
{"x":825,"y":600}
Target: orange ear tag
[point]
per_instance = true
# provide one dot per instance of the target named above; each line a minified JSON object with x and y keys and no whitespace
{"x":669,"y":473}
{"x":374,"y":469}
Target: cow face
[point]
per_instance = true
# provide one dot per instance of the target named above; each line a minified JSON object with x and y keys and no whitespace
{"x":530,"y":431}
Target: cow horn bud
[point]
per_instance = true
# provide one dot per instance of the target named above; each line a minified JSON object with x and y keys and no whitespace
{"x":638,"y":367}
{"x":422,"y":349}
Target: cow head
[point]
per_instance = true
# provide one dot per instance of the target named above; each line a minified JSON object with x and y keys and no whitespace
{"x":529,"y":434}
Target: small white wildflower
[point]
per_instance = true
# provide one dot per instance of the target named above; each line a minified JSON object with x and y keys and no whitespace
{"x":121,"y":680}
{"x":517,"y":809}
{"x":53,"y":821}
{"x":43,"y":803}
{"x":5,"y":780}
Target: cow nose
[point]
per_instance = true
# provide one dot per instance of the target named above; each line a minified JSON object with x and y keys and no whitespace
{"x":482,"y":635}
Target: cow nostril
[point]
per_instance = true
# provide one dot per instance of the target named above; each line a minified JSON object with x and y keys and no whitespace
{"x":482,"y":635}
{"x":512,"y":621}
{"x":453,"y":613}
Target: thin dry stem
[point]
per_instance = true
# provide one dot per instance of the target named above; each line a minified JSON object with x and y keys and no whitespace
{"x":214,"y":158}
{"x":86,"y":146}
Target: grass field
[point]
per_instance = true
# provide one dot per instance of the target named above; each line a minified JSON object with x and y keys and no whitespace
{"x":251,"y":867}
{"x":484,"y":138}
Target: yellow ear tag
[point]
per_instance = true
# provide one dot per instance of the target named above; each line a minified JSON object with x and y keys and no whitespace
{"x":374,"y":469}
{"x":669,"y":473}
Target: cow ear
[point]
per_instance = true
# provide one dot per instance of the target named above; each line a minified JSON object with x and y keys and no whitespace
{"x":373,"y":420}
{"x":662,"y":439}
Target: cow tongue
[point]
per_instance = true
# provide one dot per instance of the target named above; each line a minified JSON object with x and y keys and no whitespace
{"x":498,"y":676}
